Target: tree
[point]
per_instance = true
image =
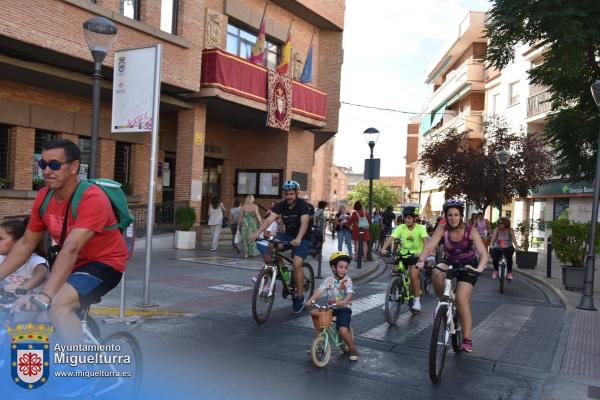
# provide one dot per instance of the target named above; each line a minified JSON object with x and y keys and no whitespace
{"x":472,"y":171}
{"x":570,"y":33}
{"x":382,"y":195}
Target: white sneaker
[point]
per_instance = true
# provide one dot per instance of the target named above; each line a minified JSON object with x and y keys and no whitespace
{"x":416,"y":307}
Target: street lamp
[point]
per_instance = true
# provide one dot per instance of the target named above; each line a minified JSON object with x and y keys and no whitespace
{"x":587,"y":296}
{"x":371,"y":136}
{"x":502,"y":156}
{"x":100,"y":34}
{"x":421,"y":176}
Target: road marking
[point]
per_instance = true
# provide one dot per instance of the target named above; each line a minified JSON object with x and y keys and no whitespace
{"x":497,"y":330}
{"x":408,"y":324}
{"x":230,"y":288}
{"x":157,"y":312}
{"x":359,"y":306}
{"x":254,"y":265}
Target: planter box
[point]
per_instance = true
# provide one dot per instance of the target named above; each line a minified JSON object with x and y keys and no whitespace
{"x":185,"y":240}
{"x":527,"y":259}
{"x":572,"y":277}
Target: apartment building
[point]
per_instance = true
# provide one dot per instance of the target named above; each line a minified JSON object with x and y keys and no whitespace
{"x":212,"y":136}
{"x":457,"y":101}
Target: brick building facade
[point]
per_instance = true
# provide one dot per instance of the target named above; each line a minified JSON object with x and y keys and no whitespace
{"x":212,"y":137}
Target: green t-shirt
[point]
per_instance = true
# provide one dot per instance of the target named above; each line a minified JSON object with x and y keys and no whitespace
{"x":412,"y":241}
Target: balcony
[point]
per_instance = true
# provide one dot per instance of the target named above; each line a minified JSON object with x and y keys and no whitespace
{"x":472,"y":121}
{"x":236,"y":80}
{"x":539,"y":103}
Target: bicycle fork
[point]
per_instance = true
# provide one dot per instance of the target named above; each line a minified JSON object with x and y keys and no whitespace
{"x":271,"y":283}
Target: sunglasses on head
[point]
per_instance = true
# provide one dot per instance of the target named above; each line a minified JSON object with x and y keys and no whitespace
{"x":53,"y":164}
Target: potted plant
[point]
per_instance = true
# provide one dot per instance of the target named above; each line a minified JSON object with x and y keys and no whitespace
{"x":38,"y":183}
{"x":525,"y":258}
{"x":4,"y":183}
{"x":569,"y":241}
{"x":185,"y":238}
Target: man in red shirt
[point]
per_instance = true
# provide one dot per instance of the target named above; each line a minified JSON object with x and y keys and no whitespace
{"x":91,"y":260}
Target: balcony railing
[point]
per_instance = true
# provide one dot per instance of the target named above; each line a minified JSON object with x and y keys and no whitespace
{"x":237,"y":76}
{"x":539,"y":103}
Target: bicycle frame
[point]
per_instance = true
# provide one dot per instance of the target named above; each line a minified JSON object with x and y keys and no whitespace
{"x":447,"y":300}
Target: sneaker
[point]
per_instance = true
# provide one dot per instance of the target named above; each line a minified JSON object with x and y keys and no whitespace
{"x":298,"y":304}
{"x":416,"y":306}
{"x":213,"y":249}
{"x":353,"y":355}
{"x":467,"y":345}
{"x":509,"y":276}
{"x":495,"y":274}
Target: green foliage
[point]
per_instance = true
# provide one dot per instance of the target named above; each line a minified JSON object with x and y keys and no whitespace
{"x":382,"y":195}
{"x":127,"y":188}
{"x":38,"y":183}
{"x":569,"y":240}
{"x":523,"y":231}
{"x":375,"y":232}
{"x":453,"y":160}
{"x":185,"y":217}
{"x":4,"y":183}
{"x":570,"y":34}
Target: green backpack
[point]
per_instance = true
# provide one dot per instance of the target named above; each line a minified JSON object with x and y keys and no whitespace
{"x":114,"y":192}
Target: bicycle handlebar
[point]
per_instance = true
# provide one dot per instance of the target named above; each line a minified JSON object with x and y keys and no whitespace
{"x":325,"y":307}
{"x":462,"y":268}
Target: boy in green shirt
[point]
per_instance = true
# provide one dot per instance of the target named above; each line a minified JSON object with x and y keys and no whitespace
{"x":412,"y":238}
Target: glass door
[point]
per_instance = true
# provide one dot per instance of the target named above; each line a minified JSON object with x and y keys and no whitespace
{"x":211,"y":184}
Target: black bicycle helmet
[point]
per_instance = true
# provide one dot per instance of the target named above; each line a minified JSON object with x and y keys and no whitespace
{"x":410,"y":211}
{"x":454,"y":203}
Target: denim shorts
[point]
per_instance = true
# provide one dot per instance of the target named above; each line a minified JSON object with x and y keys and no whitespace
{"x":343,"y":317}
{"x":264,"y":249}
{"x":300,"y":251}
{"x":92,"y":281}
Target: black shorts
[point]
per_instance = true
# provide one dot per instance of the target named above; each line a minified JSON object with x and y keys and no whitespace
{"x":92,"y":281}
{"x":465,"y":276}
{"x":408,"y":259}
{"x":343,"y":317}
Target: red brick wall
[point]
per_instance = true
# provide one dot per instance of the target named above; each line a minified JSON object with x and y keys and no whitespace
{"x":21,"y":157}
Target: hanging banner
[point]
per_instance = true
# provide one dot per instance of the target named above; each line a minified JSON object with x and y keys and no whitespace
{"x":279,"y":101}
{"x":134,"y":86}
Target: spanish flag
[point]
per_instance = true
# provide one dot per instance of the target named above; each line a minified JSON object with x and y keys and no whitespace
{"x":286,"y":54}
{"x":258,"y":50}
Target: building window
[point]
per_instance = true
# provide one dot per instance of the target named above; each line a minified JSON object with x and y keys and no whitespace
{"x":4,"y":135}
{"x":85,"y":147}
{"x":240,"y":42}
{"x":130,"y":8}
{"x":41,"y":137}
{"x":513,"y":93}
{"x":122,"y":162}
{"x":260,"y":183}
{"x":168,"y":16}
{"x":494,"y":103}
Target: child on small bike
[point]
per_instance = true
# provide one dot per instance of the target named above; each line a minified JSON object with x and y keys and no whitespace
{"x":31,"y":274}
{"x":339,"y":290}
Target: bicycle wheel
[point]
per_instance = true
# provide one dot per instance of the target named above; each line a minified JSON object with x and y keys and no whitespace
{"x":309,"y":280}
{"x":456,"y":337}
{"x":439,"y":345}
{"x":320,"y":352}
{"x":425,"y":282}
{"x":393,"y":300}
{"x":502,"y":276}
{"x":262,"y":303}
{"x":92,"y":325}
{"x":125,"y":378}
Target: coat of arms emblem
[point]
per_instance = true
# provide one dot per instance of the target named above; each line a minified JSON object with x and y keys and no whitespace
{"x":30,"y":354}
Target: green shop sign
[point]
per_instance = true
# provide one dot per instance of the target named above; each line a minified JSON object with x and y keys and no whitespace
{"x":564,"y":188}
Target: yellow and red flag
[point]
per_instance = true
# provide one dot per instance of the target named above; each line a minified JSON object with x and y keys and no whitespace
{"x":258,"y":50}
{"x":286,"y":54}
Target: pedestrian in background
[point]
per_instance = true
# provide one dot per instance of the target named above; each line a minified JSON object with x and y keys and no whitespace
{"x":249,"y":223}
{"x":234,"y":219}
{"x":342,"y":227}
{"x":360,"y":222}
{"x":215,"y":221}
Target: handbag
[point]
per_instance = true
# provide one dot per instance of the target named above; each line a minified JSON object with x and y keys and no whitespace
{"x":237,"y":238}
{"x":225,"y":222}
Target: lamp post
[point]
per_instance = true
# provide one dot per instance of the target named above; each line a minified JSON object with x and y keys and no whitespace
{"x":421,"y":176}
{"x":100,"y":34}
{"x":371,"y":136}
{"x":502,"y":156}
{"x":587,"y":296}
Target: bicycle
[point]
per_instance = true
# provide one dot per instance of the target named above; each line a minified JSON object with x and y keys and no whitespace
{"x":398,"y":291}
{"x":124,"y":380}
{"x":425,"y":275}
{"x":446,"y":324}
{"x":328,"y":337}
{"x":279,"y":268}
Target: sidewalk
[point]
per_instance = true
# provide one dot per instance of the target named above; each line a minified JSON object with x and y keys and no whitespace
{"x":578,"y":365}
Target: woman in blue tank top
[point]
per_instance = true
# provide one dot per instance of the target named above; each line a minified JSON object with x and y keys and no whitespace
{"x":460,"y":243}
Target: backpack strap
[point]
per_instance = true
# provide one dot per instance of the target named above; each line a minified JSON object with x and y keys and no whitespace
{"x":78,"y":194}
{"x":45,"y":203}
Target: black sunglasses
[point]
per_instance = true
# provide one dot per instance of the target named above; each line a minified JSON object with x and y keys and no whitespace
{"x":53,"y":164}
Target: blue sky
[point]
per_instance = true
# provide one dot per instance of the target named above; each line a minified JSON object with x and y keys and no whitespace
{"x":388,"y":46}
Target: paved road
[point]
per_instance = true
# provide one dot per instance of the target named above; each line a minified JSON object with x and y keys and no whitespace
{"x":220,"y":352}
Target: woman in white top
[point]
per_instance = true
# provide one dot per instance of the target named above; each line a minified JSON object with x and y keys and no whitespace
{"x":215,"y":221}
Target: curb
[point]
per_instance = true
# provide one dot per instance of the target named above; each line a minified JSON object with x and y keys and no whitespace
{"x":368,"y":271}
{"x":114,"y":311}
{"x":550,"y":286}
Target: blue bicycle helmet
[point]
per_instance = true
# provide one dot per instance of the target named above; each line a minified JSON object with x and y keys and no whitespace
{"x":454,"y":203}
{"x":290,"y":185}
